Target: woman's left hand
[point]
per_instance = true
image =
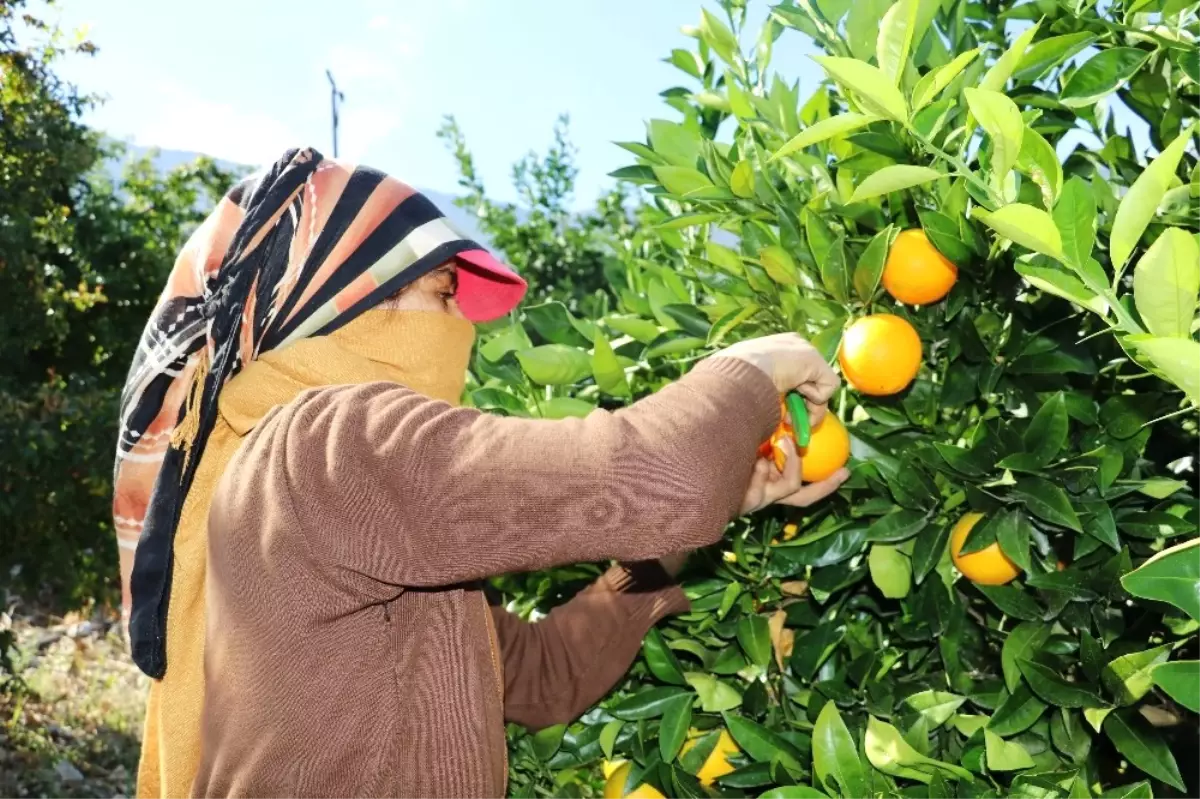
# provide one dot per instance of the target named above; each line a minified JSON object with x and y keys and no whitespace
{"x":769,"y":486}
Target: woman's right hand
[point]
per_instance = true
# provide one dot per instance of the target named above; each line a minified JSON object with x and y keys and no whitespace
{"x":793,"y":364}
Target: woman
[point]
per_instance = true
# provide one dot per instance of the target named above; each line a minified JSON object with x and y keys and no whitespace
{"x":306,"y":586}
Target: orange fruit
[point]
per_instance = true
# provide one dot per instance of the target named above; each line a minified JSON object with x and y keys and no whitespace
{"x":915,"y":272}
{"x":717,"y":764}
{"x":614,"y":786}
{"x":988,"y":566}
{"x":827,"y":451}
{"x":880,"y":354}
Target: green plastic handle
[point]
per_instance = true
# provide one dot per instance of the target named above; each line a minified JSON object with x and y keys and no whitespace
{"x":799,"y":413}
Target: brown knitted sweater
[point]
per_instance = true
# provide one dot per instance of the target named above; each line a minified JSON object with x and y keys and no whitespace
{"x":350,"y":649}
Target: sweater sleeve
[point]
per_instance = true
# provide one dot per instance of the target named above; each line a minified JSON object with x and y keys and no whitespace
{"x":422,"y":494}
{"x":557,"y":668}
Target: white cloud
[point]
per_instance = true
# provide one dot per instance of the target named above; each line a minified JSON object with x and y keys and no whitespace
{"x":379,"y":22}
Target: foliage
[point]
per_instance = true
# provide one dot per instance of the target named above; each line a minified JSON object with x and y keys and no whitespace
{"x":839,"y":646}
{"x":80,"y":263}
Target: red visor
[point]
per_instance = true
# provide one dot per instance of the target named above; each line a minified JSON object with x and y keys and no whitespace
{"x":487,"y":289}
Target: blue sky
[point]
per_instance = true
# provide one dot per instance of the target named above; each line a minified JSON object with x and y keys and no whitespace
{"x":245,"y":80}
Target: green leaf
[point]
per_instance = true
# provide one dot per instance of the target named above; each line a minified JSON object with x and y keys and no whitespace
{"x":608,"y":737}
{"x":762,"y":744}
{"x":1049,"y":53}
{"x":1166,"y":282}
{"x":729,"y":322}
{"x":887,"y":751}
{"x":862,"y":26}
{"x":1075,"y":217}
{"x":1171,"y":576}
{"x":607,"y":370}
{"x":1102,"y":75}
{"x":1139,"y":204}
{"x":1017,"y":713}
{"x":1039,"y":160}
{"x":678,"y":144}
{"x":1051,"y":688}
{"x":682,"y":181}
{"x":891,"y":571}
{"x":754,"y":634}
{"x":834,"y":755}
{"x":741,"y":182}
{"x":1060,"y":284}
{"x":719,"y":37}
{"x":715,"y":695}
{"x":1013,"y":601}
{"x":1181,"y":680}
{"x":871,"y":263}
{"x":1002,"y":120}
{"x":689,"y":318}
{"x":898,"y":524}
{"x":779,"y":265}
{"x":739,"y":101}
{"x":647,"y":704}
{"x":893,"y":178}
{"x":869,"y":84}
{"x":547,"y":741}
{"x":1047,"y":432}
{"x":1128,"y":677}
{"x":793,"y":792}
{"x":660,"y":659}
{"x":566,"y":407}
{"x":672,"y":730}
{"x":1006,"y":64}
{"x":935,"y":81}
{"x":673,"y":342}
{"x":1177,"y":358}
{"x":687,"y":61}
{"x":1142,"y":746}
{"x":936,"y":707}
{"x":1137,"y":790}
{"x":825,"y":129}
{"x":1046,"y":501}
{"x":555,"y":364}
{"x":1025,"y":641}
{"x":1030,"y":227}
{"x":642,"y":330}
{"x":896,"y":32}
{"x":1005,"y":755}
{"x":504,"y":341}
{"x":1096,"y":715}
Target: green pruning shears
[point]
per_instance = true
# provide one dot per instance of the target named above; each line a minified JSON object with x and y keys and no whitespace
{"x":799,"y":413}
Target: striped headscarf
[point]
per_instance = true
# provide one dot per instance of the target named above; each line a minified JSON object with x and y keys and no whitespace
{"x":297,"y":251}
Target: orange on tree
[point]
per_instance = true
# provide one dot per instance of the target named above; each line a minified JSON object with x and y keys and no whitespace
{"x":614,"y":786}
{"x":827,"y":451}
{"x":915,"y":272}
{"x":988,"y":566}
{"x":717,"y":764}
{"x":880,"y":354}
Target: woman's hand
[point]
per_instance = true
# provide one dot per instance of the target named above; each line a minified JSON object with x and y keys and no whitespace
{"x":769,"y":486}
{"x":792,"y":364}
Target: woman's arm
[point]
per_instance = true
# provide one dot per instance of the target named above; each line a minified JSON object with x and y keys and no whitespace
{"x":410,"y":491}
{"x":556,"y":669}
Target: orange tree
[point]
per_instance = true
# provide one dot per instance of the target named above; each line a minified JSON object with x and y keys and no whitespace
{"x":854,"y":649}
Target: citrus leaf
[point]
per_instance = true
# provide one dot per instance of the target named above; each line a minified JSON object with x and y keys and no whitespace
{"x":893,"y":178}
{"x":754,"y":634}
{"x":1139,"y":204}
{"x":898,"y":524}
{"x":1166,"y":283}
{"x":1181,"y":680}
{"x":1101,"y":75}
{"x":1006,"y":64}
{"x":1049,"y":53}
{"x":1025,"y":640}
{"x":678,"y":144}
{"x":825,"y":129}
{"x":1075,"y":217}
{"x":1060,"y":284}
{"x":1143,"y":746}
{"x":741,"y":182}
{"x":891,"y":571}
{"x":607,"y":370}
{"x":1128,"y":677}
{"x":660,"y":659}
{"x":896,"y":32}
{"x":1030,"y":227}
{"x":936,"y":707}
{"x":934,"y":82}
{"x":887,"y":751}
{"x":779,"y":265}
{"x":1137,"y":790}
{"x":1005,"y":755}
{"x":792,"y":792}
{"x":682,"y":180}
{"x":1039,"y":160}
{"x":1002,"y":120}
{"x":834,"y":755}
{"x":1017,"y":713}
{"x":762,"y":744}
{"x":648,"y":704}
{"x":672,"y":730}
{"x":1171,"y":576}
{"x":868,"y":83}
{"x":1047,"y":432}
{"x":715,"y":695}
{"x":1177,"y":358}
{"x":1053,"y":689}
{"x":608,"y":737}
{"x":1046,"y":501}
{"x":871,"y":263}
{"x":566,"y":407}
{"x":555,"y":364}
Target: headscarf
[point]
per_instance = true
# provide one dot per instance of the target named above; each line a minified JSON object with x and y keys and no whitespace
{"x":295,"y":252}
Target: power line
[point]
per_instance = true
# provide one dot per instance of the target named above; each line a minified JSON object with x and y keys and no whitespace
{"x":335,"y":97}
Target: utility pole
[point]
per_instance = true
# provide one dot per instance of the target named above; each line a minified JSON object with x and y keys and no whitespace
{"x":335,"y":97}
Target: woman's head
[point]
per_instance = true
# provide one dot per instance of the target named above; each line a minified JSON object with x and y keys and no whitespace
{"x":436,"y":291}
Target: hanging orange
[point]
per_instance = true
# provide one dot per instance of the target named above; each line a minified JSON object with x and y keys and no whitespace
{"x":880,"y":354}
{"x":988,"y":566}
{"x":827,"y":451}
{"x":915,"y":272}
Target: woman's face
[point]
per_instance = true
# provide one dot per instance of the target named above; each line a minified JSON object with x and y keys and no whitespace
{"x":434,"y":292}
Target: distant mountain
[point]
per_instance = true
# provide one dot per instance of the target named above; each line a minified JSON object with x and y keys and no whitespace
{"x":166,"y":160}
